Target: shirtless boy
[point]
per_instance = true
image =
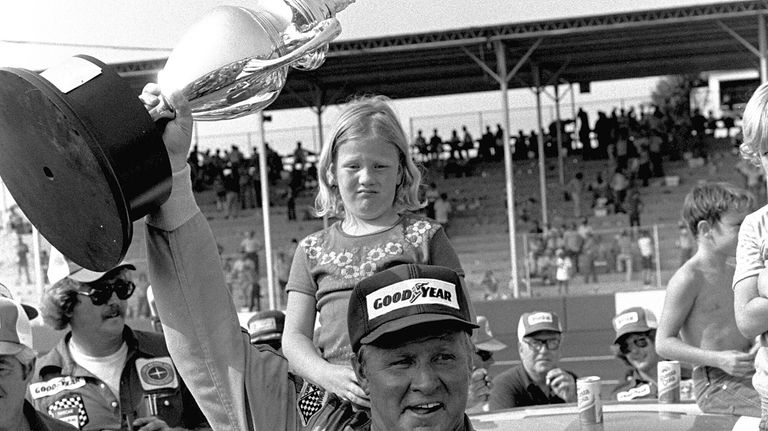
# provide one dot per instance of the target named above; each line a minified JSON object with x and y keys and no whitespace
{"x":697,"y":323}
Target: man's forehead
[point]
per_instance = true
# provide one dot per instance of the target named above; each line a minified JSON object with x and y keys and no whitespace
{"x":436,"y":340}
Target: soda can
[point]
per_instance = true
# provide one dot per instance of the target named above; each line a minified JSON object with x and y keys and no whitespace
{"x":669,"y":381}
{"x":590,"y":406}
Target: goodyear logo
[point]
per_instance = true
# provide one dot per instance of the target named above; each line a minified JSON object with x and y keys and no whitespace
{"x":55,"y":386}
{"x":407,"y":293}
{"x":626,"y":319}
{"x":537,"y":318}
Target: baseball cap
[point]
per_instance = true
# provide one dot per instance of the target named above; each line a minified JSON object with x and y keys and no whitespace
{"x":15,"y":330}
{"x":635,"y":319}
{"x":266,"y":326}
{"x":404,"y":296}
{"x":483,"y":339}
{"x":59,"y":268}
{"x":30,"y":310}
{"x":537,"y":321}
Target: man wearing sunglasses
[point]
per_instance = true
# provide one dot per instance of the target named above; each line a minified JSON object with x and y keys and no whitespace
{"x":538,"y":379}
{"x":102,"y":374}
{"x":635,"y":331}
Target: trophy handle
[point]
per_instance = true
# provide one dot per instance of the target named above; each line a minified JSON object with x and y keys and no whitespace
{"x":299,"y":45}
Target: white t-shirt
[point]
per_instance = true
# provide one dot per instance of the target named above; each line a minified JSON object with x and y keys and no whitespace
{"x":108,"y":369}
{"x":645,"y":245}
{"x":442,"y":209}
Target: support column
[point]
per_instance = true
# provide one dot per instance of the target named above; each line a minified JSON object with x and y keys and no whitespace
{"x":501,"y":61}
{"x":265,"y":213}
{"x":542,"y":164}
{"x":561,"y":175}
{"x":761,"y":40}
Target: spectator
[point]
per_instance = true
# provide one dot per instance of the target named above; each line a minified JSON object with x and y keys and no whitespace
{"x":698,"y":324}
{"x":490,"y":286}
{"x":538,"y":379}
{"x":564,"y":266}
{"x":634,"y":207}
{"x":299,"y":157}
{"x":232,"y":187}
{"x":455,"y":144}
{"x":443,"y":211}
{"x":22,"y":262}
{"x":467,"y":143}
{"x":619,"y":185}
{"x":421,"y":145}
{"x":435,"y":146}
{"x":645,"y":244}
{"x":250,"y":247}
{"x":480,"y":384}
{"x":17,"y":362}
{"x":575,"y":189}
{"x":684,"y":242}
{"x":588,"y":257}
{"x":634,"y":345}
{"x":624,"y":257}
{"x":432,"y":195}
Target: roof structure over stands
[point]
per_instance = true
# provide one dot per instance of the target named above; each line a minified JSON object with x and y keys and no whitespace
{"x":582,"y":49}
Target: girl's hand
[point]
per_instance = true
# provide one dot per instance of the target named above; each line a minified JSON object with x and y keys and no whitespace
{"x":342,"y":382}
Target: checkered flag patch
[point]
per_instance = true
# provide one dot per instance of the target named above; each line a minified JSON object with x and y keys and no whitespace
{"x":310,"y":401}
{"x":71,"y":403}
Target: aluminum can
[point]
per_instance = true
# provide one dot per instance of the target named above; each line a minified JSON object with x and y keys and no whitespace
{"x":589,"y":404}
{"x":669,"y":381}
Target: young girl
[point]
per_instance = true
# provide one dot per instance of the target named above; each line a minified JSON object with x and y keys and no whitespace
{"x":368,"y":180}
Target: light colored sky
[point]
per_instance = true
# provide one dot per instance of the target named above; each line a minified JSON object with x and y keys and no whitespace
{"x":36,"y":34}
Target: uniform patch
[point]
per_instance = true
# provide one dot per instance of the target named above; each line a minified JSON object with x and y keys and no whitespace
{"x":157,"y":373}
{"x":54,"y":386}
{"x":70,"y":409}
{"x":309,"y":402}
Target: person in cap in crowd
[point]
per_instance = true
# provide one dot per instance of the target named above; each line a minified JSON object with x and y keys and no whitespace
{"x":538,"y":379}
{"x":480,"y":384}
{"x":412,"y":381}
{"x":634,"y":344}
{"x":17,"y":366}
{"x":266,"y":327}
{"x":102,"y":374}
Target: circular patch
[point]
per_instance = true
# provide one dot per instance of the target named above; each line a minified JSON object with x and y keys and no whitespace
{"x":156,"y":373}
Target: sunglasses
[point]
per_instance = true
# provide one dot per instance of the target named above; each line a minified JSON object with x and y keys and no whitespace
{"x":101,"y":292}
{"x":537,"y":344}
{"x":484,"y":355}
{"x":639,"y":342}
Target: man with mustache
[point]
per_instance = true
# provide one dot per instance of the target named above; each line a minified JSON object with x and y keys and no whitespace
{"x":102,"y":374}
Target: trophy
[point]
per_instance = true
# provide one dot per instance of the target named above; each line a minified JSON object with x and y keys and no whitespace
{"x":84,"y":159}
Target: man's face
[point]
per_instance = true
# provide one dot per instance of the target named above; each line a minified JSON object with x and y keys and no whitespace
{"x":420,"y":384}
{"x":640,"y":352}
{"x":535,"y":354}
{"x":107,"y":319}
{"x":13,"y":388}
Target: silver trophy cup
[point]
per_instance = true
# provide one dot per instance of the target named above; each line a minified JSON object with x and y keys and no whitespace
{"x":83,"y":158}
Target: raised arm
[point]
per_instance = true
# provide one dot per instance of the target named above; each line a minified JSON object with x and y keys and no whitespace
{"x":195,"y":308}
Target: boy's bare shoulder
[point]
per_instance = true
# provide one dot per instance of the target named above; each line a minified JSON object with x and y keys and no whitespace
{"x":688,"y":278}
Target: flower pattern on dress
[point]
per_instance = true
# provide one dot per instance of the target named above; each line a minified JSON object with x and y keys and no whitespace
{"x":363,"y":261}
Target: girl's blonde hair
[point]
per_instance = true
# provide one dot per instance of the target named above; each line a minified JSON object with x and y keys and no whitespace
{"x":755,"y":125}
{"x":362,"y":118}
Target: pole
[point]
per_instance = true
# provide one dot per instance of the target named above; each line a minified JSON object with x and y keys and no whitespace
{"x":38,"y":264}
{"x":762,"y":47}
{"x":501,"y":60}
{"x":658,"y":255}
{"x":542,"y":165}
{"x":559,"y":136}
{"x":573,"y":110}
{"x":265,"y":212}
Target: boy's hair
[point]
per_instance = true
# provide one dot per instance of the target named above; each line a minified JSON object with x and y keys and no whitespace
{"x":755,"y":125}
{"x":362,"y":118}
{"x":709,"y":201}
{"x":58,"y":302}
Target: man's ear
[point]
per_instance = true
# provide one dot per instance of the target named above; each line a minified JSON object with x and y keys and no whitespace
{"x":359,"y":369}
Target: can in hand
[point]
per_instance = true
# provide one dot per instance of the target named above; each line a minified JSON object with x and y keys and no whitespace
{"x":669,"y":381}
{"x":590,"y":406}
